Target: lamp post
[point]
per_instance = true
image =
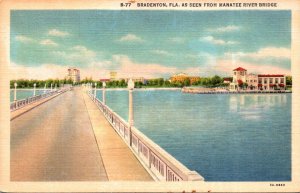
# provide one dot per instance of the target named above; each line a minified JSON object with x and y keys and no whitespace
{"x":95,"y":92}
{"x":130,"y":107}
{"x":15,"y":93}
{"x":45,"y":87}
{"x":51,"y":86}
{"x":103,"y":92}
{"x":34,"y":85}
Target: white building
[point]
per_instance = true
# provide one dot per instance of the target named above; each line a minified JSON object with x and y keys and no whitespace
{"x":242,"y":80}
{"x":74,"y":75}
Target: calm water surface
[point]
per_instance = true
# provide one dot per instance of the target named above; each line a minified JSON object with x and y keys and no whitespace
{"x":22,"y":94}
{"x":223,"y":137}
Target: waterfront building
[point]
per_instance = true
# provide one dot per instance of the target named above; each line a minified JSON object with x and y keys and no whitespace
{"x":181,"y":77}
{"x":113,"y":75}
{"x":74,"y":75}
{"x":242,"y":80}
{"x":271,"y":81}
{"x":252,"y":81}
{"x":104,"y":80}
{"x":227,"y":80}
{"x":194,"y":79}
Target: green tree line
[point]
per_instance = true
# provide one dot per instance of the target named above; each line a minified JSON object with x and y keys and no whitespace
{"x":214,"y":81}
{"x":25,"y":83}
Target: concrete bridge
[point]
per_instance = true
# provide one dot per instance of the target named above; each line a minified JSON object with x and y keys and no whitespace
{"x":69,"y":135}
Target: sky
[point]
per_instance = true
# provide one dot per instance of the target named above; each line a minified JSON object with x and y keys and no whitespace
{"x":44,"y":44}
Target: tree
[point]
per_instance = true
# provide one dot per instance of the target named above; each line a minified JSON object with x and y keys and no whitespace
{"x":245,"y":85}
{"x":240,"y":83}
{"x":289,"y":80}
{"x":186,"y":82}
{"x":216,"y":80}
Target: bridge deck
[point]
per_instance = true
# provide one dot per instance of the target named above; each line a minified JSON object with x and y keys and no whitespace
{"x":120,"y":163}
{"x":56,"y":142}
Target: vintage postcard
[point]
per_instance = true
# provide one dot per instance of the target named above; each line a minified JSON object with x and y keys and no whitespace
{"x":149,"y":96}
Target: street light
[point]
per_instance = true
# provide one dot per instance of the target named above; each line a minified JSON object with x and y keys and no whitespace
{"x":103,"y":92}
{"x":130,"y":113}
{"x":95,"y":93}
{"x":15,"y":93}
{"x":34,"y":85}
{"x":130,"y":85}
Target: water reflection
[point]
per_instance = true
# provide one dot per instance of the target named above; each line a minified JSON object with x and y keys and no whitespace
{"x":253,"y":106}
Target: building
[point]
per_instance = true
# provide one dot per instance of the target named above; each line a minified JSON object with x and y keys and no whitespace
{"x":113,"y":75}
{"x":179,"y":77}
{"x":194,"y":79}
{"x":227,"y":80}
{"x":271,"y":81}
{"x":74,"y":75}
{"x":104,"y":79}
{"x":252,"y":81}
{"x":243,"y":80}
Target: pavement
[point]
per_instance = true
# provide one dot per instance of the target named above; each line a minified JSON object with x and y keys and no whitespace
{"x":55,"y":142}
{"x":67,"y":138}
{"x":120,"y":162}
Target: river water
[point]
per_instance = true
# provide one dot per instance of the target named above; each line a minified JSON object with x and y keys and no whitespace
{"x":234,"y":137}
{"x":25,"y":93}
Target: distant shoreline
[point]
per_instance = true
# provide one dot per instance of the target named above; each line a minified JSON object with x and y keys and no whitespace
{"x":141,"y":89}
{"x":29,"y":89}
{"x":192,"y":90}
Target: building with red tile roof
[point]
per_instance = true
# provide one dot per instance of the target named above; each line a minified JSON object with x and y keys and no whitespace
{"x":242,"y":80}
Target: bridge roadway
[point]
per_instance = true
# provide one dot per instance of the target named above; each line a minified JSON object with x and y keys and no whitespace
{"x":68,"y":139}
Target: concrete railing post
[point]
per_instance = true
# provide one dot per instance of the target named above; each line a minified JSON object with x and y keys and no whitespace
{"x":103,"y":92}
{"x":130,"y":108}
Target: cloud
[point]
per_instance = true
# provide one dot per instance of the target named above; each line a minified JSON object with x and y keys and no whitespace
{"x":161,"y":52}
{"x":229,"y":28}
{"x":48,"y":42}
{"x":212,"y":40}
{"x":131,"y":38}
{"x":267,"y":52}
{"x":42,"y":72}
{"x":23,"y":39}
{"x":178,"y":40}
{"x":57,"y":33}
{"x":84,"y":51}
{"x":129,"y":68}
{"x":77,"y":55}
{"x":226,"y":66}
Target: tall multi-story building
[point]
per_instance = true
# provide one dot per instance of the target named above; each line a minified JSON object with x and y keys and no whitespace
{"x":242,"y":80}
{"x":74,"y":75}
{"x":113,"y":75}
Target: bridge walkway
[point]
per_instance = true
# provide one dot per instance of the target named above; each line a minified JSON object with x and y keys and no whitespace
{"x":120,"y":163}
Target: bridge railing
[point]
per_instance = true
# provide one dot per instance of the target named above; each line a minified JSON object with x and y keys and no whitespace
{"x":23,"y":102}
{"x":159,"y":163}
